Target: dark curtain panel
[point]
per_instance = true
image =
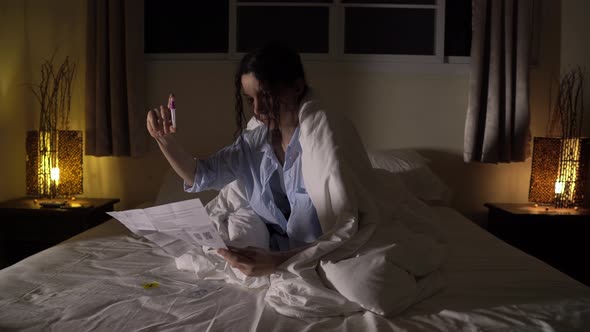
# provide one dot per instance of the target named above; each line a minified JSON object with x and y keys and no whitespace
{"x":115,"y":111}
{"x":497,"y":123}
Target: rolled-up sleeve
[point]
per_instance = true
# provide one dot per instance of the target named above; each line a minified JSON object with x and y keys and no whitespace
{"x":219,"y":169}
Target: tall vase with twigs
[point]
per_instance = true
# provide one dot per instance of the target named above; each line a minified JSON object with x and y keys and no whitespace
{"x":566,"y":118}
{"x":54,"y":96}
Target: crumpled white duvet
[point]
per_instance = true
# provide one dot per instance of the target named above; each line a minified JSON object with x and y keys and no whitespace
{"x":380,"y":250}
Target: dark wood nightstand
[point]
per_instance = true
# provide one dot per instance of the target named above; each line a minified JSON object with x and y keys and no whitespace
{"x":28,"y":227}
{"x":559,"y":237}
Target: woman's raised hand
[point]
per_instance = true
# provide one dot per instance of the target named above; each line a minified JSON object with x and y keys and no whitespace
{"x":159,"y":122}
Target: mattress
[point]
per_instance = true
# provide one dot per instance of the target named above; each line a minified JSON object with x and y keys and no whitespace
{"x":107,"y":279}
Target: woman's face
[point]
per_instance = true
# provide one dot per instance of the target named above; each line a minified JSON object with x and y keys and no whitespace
{"x":260,"y":103}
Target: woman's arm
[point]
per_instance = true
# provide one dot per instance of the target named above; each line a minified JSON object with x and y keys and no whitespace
{"x":159,"y":125}
{"x":183,"y":164}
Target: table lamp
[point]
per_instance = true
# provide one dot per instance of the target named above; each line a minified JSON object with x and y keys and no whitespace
{"x":560,"y":164}
{"x":54,"y":164}
{"x":558,"y":171}
{"x":54,"y":153}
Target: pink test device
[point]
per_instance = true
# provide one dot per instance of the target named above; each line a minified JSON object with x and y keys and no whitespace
{"x":172,"y":107}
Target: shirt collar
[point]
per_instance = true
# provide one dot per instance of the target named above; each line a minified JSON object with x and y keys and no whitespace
{"x":294,"y":145}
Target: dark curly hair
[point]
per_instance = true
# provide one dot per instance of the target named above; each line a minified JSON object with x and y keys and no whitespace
{"x":275,"y":66}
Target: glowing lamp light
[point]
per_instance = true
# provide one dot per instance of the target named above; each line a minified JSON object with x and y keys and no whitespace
{"x":55,"y":174}
{"x":559,"y":186}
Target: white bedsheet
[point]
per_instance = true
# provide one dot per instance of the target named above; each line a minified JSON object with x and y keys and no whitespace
{"x":94,"y":282}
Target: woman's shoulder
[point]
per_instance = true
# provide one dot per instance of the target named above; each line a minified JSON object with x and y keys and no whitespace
{"x":312,"y":108}
{"x":312,"y":114}
{"x":317,"y":123}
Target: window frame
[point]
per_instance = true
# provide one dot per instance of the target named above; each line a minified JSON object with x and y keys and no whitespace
{"x":336,"y":36}
{"x":233,"y":19}
{"x":439,"y":34}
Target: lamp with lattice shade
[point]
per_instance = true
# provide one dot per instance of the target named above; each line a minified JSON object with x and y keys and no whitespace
{"x":559,"y":170}
{"x":54,"y":164}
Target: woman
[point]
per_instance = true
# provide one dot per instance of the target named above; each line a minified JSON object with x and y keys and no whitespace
{"x":376,"y":250}
{"x":267,"y":159}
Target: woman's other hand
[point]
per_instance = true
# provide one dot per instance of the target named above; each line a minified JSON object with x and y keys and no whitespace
{"x":253,"y":261}
{"x":159,"y":122}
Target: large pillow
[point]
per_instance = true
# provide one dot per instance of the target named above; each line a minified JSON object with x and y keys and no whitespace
{"x":397,"y":160}
{"x":415,"y":173}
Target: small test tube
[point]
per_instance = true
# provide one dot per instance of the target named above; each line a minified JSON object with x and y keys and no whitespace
{"x":172,"y":107}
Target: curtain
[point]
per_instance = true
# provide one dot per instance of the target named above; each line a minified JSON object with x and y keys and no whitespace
{"x":115,"y":112}
{"x":497,"y":126}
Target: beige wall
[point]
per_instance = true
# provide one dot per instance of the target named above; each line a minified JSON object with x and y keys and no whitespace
{"x":575,"y":48}
{"x":13,"y":114}
{"x":416,"y":107}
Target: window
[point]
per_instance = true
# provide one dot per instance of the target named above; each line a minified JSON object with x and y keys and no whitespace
{"x":253,"y":22}
{"x":377,"y":30}
{"x":458,"y":28}
{"x":182,"y":26}
{"x":408,"y":30}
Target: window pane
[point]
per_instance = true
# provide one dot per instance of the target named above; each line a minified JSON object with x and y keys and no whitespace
{"x":181,"y":26}
{"x":302,"y":28}
{"x":393,"y":2}
{"x":458,"y":28}
{"x":291,"y":1}
{"x":389,"y":31}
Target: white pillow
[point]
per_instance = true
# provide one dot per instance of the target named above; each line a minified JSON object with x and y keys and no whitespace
{"x":373,"y":282}
{"x":397,"y":160}
{"x":414,"y":172}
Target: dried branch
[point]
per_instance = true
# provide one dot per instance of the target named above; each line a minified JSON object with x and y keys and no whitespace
{"x":54,"y":94}
{"x":568,"y":110}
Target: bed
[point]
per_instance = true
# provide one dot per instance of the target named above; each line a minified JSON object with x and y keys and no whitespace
{"x":107,"y":279}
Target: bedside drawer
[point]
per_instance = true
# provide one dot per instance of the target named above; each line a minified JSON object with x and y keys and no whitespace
{"x":557,"y":237}
{"x":50,"y":230}
{"x":28,"y":228}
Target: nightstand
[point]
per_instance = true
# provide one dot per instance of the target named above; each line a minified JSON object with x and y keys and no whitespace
{"x":28,"y":227}
{"x":559,"y":237}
